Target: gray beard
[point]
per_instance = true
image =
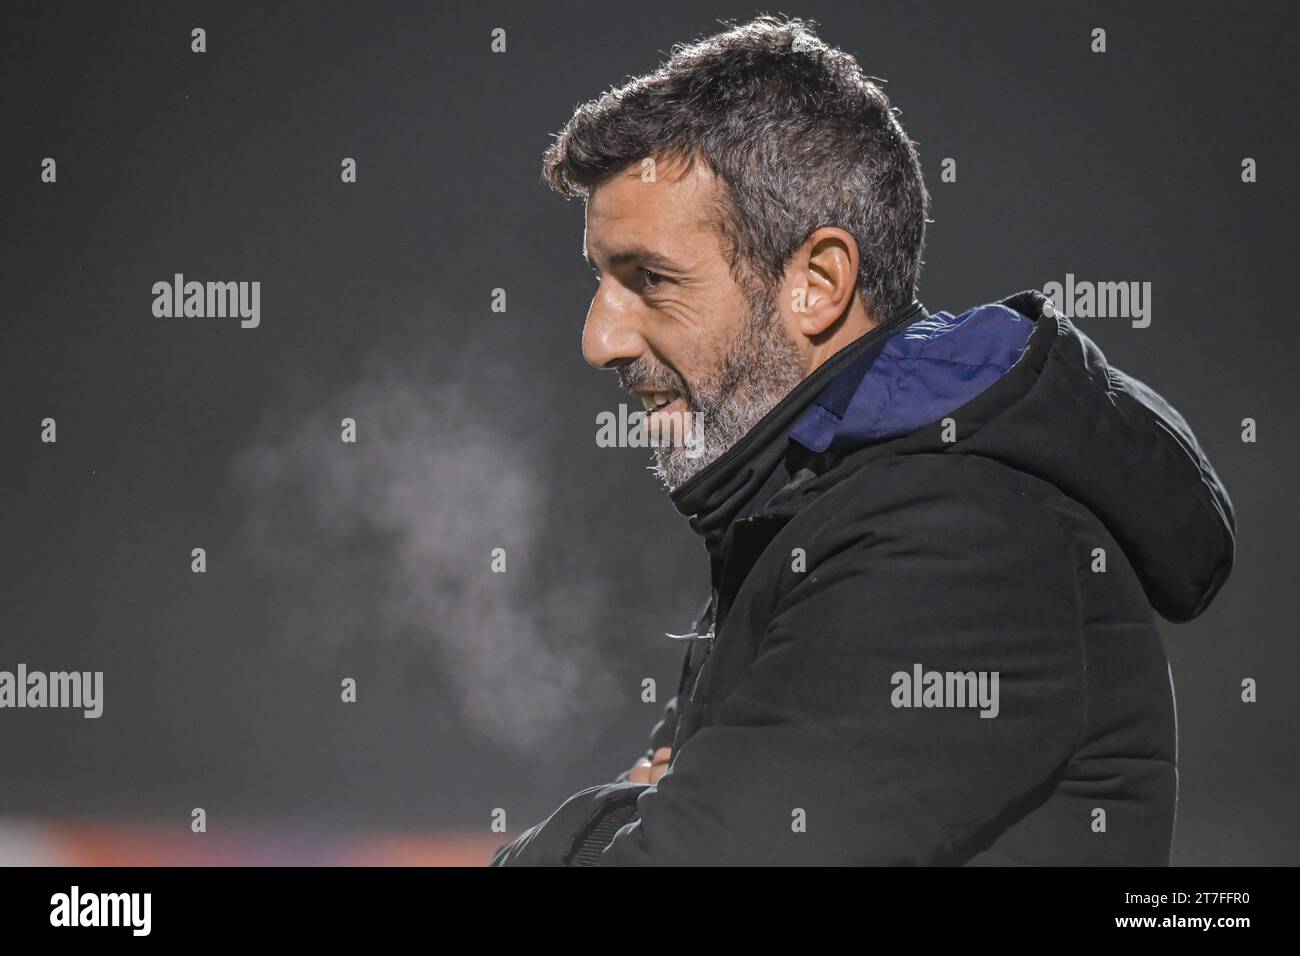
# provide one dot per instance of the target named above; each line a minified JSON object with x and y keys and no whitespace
{"x":759,"y":369}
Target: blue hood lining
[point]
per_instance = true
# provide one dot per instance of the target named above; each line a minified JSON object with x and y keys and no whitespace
{"x":924,"y":372}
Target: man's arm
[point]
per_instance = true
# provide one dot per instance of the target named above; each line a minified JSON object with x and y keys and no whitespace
{"x":808,"y":760}
{"x":574,"y":833}
{"x":601,"y":807}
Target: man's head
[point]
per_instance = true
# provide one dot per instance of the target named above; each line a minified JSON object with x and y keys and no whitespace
{"x":752,"y":207}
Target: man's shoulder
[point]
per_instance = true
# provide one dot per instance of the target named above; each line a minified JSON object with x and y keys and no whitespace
{"x":928,"y":495}
{"x":929,"y":558}
{"x":947,"y":524}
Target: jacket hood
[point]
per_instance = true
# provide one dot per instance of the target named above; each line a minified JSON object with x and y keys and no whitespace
{"x":746,"y":476}
{"x":1016,"y":382}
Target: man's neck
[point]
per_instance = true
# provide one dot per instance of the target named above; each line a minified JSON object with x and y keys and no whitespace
{"x":853,"y":325}
{"x":725,"y":489}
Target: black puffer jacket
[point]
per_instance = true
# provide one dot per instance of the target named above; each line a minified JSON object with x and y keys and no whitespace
{"x":931,"y":638}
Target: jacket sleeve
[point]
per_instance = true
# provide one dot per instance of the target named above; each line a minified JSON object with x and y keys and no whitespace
{"x":575,"y":833}
{"x":810,"y":757}
{"x":585,"y":823}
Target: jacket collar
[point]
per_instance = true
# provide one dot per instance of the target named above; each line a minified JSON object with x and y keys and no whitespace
{"x":744,"y":477}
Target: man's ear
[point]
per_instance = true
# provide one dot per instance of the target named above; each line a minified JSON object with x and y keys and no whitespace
{"x":820,"y":280}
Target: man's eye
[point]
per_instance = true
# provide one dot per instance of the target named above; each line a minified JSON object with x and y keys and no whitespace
{"x":652,"y":279}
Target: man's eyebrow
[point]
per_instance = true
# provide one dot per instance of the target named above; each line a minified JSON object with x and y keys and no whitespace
{"x":640,"y":255}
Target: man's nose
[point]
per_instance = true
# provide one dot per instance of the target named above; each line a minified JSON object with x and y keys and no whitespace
{"x":612,"y":336}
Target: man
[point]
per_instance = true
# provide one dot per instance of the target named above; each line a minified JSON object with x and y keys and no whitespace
{"x":936,"y":541}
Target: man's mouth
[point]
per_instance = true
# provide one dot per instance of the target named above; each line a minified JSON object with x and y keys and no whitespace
{"x":657,"y":401}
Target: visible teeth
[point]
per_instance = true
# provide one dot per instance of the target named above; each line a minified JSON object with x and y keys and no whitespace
{"x":657,"y":400}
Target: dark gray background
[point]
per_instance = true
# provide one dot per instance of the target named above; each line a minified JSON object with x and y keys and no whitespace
{"x":477,"y":429}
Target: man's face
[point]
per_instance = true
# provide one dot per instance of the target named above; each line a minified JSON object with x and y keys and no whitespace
{"x":670,"y":317}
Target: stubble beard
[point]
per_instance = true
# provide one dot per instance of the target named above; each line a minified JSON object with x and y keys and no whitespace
{"x":760,"y":367}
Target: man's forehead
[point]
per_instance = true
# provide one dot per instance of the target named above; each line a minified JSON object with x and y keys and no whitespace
{"x":646,"y":206}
